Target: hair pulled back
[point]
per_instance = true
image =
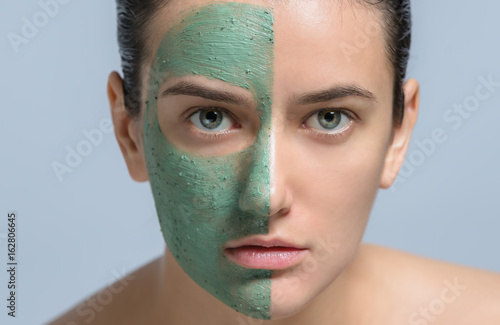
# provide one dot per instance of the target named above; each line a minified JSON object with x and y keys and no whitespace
{"x":134,"y":17}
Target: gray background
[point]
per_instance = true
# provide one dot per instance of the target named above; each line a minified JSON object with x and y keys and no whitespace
{"x":81,"y":234}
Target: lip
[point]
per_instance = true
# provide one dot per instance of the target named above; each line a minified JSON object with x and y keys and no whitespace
{"x":262,"y":253}
{"x":263,"y":242}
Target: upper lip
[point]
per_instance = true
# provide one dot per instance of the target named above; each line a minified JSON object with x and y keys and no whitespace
{"x":262,"y":241}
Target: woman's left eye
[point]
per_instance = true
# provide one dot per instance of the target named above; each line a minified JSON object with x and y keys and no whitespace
{"x":328,"y":121}
{"x":211,"y":120}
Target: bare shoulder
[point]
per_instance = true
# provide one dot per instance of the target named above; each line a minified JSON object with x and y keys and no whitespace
{"x":420,"y":291}
{"x":127,"y":301}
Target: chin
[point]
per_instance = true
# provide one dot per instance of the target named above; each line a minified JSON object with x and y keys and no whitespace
{"x":292,"y":292}
{"x":287,"y":308}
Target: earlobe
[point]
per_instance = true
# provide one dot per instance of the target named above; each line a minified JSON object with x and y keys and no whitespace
{"x":127,"y":130}
{"x":402,"y":134}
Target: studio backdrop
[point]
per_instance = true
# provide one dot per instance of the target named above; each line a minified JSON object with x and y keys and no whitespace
{"x":80,"y":222}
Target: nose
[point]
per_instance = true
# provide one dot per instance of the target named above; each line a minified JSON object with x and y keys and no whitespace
{"x":280,"y":191}
{"x":254,"y":197}
{"x":265,"y":190}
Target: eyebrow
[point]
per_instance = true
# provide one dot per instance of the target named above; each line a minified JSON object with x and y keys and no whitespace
{"x":334,"y":93}
{"x":196,"y":90}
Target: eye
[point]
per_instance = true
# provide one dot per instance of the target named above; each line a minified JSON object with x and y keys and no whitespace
{"x":329,"y":120}
{"x":211,"y":120}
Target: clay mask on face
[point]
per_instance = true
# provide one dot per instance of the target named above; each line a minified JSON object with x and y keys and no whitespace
{"x":204,"y":201}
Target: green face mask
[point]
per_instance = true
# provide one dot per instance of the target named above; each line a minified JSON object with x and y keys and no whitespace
{"x":198,"y":197}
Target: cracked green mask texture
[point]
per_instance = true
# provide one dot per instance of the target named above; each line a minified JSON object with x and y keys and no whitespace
{"x":205,"y":201}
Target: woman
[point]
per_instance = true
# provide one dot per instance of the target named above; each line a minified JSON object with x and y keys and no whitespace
{"x":265,"y":129}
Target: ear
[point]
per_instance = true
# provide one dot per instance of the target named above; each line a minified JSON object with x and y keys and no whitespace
{"x":401,"y":138}
{"x":127,"y":130}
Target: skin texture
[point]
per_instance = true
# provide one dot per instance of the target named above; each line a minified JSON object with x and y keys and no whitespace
{"x":321,"y":188}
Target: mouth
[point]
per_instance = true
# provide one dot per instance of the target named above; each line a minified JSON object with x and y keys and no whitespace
{"x":274,"y":254}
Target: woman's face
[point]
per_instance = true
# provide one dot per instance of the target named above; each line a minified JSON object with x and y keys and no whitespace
{"x":270,"y":122}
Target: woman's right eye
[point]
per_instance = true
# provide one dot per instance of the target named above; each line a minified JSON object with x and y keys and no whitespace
{"x":212,"y":120}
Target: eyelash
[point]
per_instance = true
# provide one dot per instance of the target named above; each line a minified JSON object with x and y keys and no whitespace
{"x":209,"y":135}
{"x":338,"y":135}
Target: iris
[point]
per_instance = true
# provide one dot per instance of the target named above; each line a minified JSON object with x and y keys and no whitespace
{"x":211,"y":119}
{"x":329,"y":119}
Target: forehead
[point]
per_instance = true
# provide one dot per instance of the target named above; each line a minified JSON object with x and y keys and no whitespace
{"x":316,"y":41}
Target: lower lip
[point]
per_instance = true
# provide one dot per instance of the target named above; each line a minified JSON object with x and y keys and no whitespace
{"x":269,"y":258}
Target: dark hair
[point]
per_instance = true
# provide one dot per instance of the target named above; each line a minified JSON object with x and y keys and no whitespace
{"x":134,"y":16}
{"x":397,"y":18}
{"x":133,"y":23}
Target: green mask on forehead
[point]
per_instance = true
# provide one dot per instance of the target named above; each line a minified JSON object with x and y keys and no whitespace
{"x":204,"y":201}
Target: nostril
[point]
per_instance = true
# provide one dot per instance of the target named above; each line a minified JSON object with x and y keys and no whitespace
{"x":281,"y":202}
{"x":280,"y":213}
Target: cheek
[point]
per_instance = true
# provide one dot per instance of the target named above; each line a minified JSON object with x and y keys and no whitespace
{"x":197,"y":200}
{"x":337,"y":202}
{"x":340,"y":183}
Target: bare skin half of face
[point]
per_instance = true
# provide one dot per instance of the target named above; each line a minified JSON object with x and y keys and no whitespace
{"x":332,"y":122}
